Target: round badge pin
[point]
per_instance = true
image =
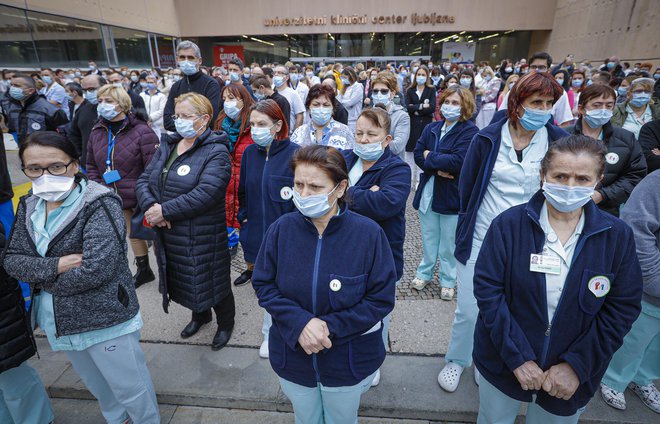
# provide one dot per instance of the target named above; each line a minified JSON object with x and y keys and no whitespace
{"x":36,"y":126}
{"x":183,"y":170}
{"x":335,"y":285}
{"x":611,"y":158}
{"x":286,"y":193}
{"x":599,"y":285}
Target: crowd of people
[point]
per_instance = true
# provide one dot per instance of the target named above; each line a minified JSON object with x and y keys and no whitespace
{"x":533,"y":181}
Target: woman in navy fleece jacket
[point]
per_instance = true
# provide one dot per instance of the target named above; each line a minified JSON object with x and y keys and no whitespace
{"x":558,"y":286}
{"x":326,"y":275}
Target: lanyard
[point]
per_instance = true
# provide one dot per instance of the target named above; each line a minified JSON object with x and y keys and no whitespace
{"x":111,"y":145}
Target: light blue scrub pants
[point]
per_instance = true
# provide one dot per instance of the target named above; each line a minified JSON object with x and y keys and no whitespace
{"x":638,"y":359}
{"x":116,"y":373}
{"x":465,"y":319}
{"x":497,"y":408}
{"x":438,"y":242}
{"x":326,"y":405}
{"x":265,"y":327}
{"x":23,"y":398}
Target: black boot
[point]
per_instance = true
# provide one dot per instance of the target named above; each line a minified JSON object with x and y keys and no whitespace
{"x":244,"y":278}
{"x":221,"y":338}
{"x":198,"y":320}
{"x":144,"y":273}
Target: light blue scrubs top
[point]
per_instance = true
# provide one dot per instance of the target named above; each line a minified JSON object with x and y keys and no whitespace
{"x":44,"y":230}
{"x":427,"y":194}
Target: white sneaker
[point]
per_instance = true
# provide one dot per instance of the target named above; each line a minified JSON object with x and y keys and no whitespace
{"x":648,"y":394}
{"x":613,"y":398}
{"x":447,"y":293}
{"x":263,"y":350}
{"x":419,"y":284}
{"x":450,"y":376}
{"x":477,"y":376}
{"x":376,"y":379}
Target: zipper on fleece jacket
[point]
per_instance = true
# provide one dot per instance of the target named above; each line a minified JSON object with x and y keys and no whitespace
{"x":315,"y":280}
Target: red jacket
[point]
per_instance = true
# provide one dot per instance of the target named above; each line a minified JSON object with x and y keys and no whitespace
{"x":231,"y":199}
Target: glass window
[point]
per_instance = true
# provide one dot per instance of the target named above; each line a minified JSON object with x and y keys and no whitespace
{"x":16,"y":48}
{"x":132,"y":47}
{"x":65,"y":41}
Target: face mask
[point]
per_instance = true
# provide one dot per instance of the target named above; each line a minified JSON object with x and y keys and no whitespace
{"x":234,"y":76}
{"x":68,"y":97}
{"x":278,"y":80}
{"x":511,"y":84}
{"x":451,"y":113}
{"x":151,"y":86}
{"x":314,"y":206}
{"x":384,"y":99}
{"x":143,"y":84}
{"x":107,"y":111}
{"x":123,"y":73}
{"x":566,"y":198}
{"x":640,"y":99}
{"x":176,"y":78}
{"x":517,"y":69}
{"x":421,"y":80}
{"x":309,"y":74}
{"x":231,"y":109}
{"x":508,"y":69}
{"x":430,"y":65}
{"x":259,"y":96}
{"x":17,"y":93}
{"x":560,"y":81}
{"x":321,"y":115}
{"x":369,"y":152}
{"x":118,"y":85}
{"x":345,"y":81}
{"x":262,"y":136}
{"x":465,"y":82}
{"x":78,"y":74}
{"x":404,"y":73}
{"x":445,"y":67}
{"x":92,"y":67}
{"x":656,"y":76}
{"x":90,"y":96}
{"x":188,"y":67}
{"x":246,"y":75}
{"x":488,"y":78}
{"x":373,"y":77}
{"x":611,"y":65}
{"x":622,"y":91}
{"x":435,"y":80}
{"x":598,"y":117}
{"x":577,"y":83}
{"x":134,"y":78}
{"x":71,"y":76}
{"x":533,"y":120}
{"x":48,"y":80}
{"x":452,"y":84}
{"x":414,"y":70}
{"x":186,"y":127}
{"x":227,"y":82}
{"x":294,"y":77}
{"x":52,"y":188}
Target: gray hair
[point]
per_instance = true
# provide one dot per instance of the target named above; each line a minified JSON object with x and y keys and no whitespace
{"x":187,"y":44}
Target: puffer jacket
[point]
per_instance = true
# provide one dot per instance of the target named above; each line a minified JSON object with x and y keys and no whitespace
{"x":36,"y":114}
{"x":625,"y":165}
{"x":135,"y":145}
{"x":232,"y":205}
{"x":193,"y":258}
{"x":16,"y":341}
{"x":100,"y":293}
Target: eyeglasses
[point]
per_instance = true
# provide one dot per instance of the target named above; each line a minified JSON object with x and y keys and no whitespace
{"x":383,"y":91}
{"x":193,"y":117}
{"x":54,"y":169}
{"x":538,"y":68}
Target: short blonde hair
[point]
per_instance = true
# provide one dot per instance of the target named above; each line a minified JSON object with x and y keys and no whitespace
{"x":388,"y":79}
{"x":468,"y":105}
{"x":199,"y":103}
{"x":118,"y":94}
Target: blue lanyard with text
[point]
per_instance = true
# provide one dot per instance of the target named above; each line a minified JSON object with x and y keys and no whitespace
{"x":111,"y":145}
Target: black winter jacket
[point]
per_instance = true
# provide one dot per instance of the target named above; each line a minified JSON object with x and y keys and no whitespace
{"x":193,"y":258}
{"x":80,"y":128}
{"x":420,"y":117}
{"x":649,"y":139}
{"x":36,"y":114}
{"x":625,"y":166}
{"x":16,"y":342}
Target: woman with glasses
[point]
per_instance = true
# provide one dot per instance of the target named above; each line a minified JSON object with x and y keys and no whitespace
{"x":120,"y":147}
{"x":182,"y":192}
{"x":69,"y":243}
{"x":323,"y":129}
{"x":639,"y":108}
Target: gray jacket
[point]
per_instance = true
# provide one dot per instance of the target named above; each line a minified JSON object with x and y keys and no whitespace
{"x":100,"y":293}
{"x":400,"y":130}
{"x":642,"y":213}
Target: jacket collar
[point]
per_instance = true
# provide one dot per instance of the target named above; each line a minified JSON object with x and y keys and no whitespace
{"x":275,"y":147}
{"x":129,"y":121}
{"x":595,"y":220}
{"x":437,"y":129}
{"x":335,"y":223}
{"x":493,"y":132}
{"x":607,"y":129}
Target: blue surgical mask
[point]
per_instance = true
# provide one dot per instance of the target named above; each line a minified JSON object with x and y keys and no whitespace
{"x":234,"y":76}
{"x":68,"y":97}
{"x":188,"y":67}
{"x":567,"y":198}
{"x":466,"y":82}
{"x":151,"y":86}
{"x":369,"y":152}
{"x":48,"y":80}
{"x":231,"y":110}
{"x":451,"y":113}
{"x":622,"y":91}
{"x":259,"y":96}
{"x":176,"y":78}
{"x":611,"y":65}
{"x":640,"y":99}
{"x":91,"y":96}
{"x":321,"y":115}
{"x":135,"y":78}
{"x":598,"y":117}
{"x":262,"y":135}
{"x":577,"y":83}
{"x":107,"y":111}
{"x":17,"y":93}
{"x":534,"y":120}
{"x":314,"y":206}
{"x":278,"y":80}
{"x":421,"y":80}
{"x":78,"y":74}
{"x":345,"y":81}
{"x":656,"y":76}
{"x":383,"y":99}
{"x":186,"y":127}
{"x":294,"y":77}
{"x":435,"y":80}
{"x":143,"y":85}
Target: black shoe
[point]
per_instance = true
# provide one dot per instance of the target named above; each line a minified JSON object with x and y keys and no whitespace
{"x":244,"y":278}
{"x":221,"y":338}
{"x":144,"y":273}
{"x":193,"y":327}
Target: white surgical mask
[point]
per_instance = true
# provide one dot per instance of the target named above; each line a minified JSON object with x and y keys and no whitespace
{"x":567,"y":198}
{"x":52,"y":188}
{"x":314,"y":206}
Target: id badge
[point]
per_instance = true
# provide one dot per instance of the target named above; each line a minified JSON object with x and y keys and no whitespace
{"x":545,"y":264}
{"x":111,"y":176}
